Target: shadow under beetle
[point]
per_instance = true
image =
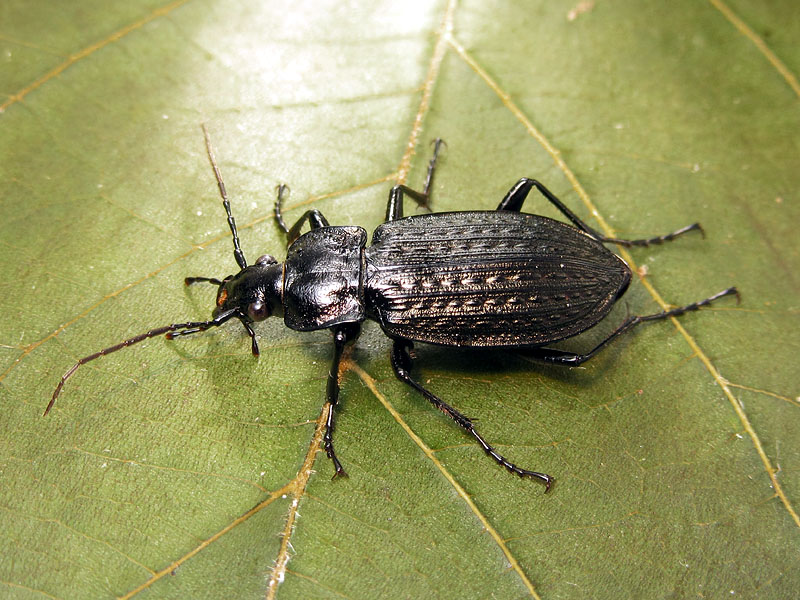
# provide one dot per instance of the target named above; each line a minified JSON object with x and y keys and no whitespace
{"x":490,"y":279}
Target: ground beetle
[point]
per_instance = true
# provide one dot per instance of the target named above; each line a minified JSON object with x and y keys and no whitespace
{"x":489,"y":279}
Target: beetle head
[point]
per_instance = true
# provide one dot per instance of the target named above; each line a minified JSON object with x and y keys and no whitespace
{"x":254,"y":293}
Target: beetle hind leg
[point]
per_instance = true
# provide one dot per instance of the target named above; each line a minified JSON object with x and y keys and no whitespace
{"x":401,"y":363}
{"x":572,"y":359}
{"x":519,"y":192}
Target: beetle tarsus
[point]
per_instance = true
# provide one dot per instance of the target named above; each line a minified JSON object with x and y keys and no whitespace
{"x":254,"y":344}
{"x":426,"y":188}
{"x":657,"y":240}
{"x":401,"y":363}
{"x":338,"y":470}
{"x":516,"y":196}
{"x":327,"y":444}
{"x":511,"y":467}
{"x":572,"y":359}
{"x":341,"y":336}
{"x":394,"y":208}
{"x":315,"y":218}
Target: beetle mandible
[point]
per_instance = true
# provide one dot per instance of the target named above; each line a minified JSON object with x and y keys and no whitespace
{"x":488,"y":279}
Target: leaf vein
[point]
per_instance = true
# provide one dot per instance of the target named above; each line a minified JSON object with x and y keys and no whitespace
{"x":27,"y":349}
{"x":759,"y":43}
{"x":88,"y":50}
{"x":439,"y":49}
{"x":608,"y":230}
{"x":371,"y":384}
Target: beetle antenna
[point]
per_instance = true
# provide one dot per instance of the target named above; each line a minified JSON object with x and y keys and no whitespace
{"x":172,"y":331}
{"x":281,"y":189}
{"x":237,"y":251}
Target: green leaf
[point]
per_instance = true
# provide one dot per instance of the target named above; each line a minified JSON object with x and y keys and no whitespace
{"x":182,"y":469}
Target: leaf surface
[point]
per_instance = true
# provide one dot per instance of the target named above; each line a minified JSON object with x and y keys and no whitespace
{"x":187,"y":468}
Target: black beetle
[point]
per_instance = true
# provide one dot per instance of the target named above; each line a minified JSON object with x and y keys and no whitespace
{"x":490,"y":279}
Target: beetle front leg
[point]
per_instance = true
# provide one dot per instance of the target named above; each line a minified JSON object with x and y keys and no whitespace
{"x":401,"y":363}
{"x":211,"y":280}
{"x":341,"y":335}
{"x":519,"y":192}
{"x":315,"y":218}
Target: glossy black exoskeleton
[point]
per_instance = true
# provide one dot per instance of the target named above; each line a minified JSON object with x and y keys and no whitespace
{"x":491,"y":279}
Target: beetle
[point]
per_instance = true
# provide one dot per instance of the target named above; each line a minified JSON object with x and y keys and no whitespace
{"x":482,"y":279}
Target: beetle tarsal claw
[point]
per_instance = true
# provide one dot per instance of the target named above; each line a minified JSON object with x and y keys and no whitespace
{"x":339,"y":472}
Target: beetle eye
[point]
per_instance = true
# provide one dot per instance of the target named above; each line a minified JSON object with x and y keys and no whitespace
{"x":258,"y":310}
{"x":266,"y":259}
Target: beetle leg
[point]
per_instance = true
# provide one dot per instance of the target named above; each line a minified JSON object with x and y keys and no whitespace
{"x":341,"y":335}
{"x":516,"y":197}
{"x":315,"y":220}
{"x":401,"y":363}
{"x":191,"y":280}
{"x":394,"y":208}
{"x":281,"y":189}
{"x":571,"y":359}
{"x":253,"y":342}
{"x":659,"y":239}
